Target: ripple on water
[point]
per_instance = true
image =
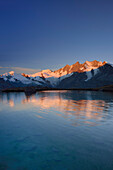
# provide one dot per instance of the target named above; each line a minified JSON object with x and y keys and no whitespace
{"x":76,"y":132}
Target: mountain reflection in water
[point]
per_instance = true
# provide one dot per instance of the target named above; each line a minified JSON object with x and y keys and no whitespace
{"x":77,"y":106}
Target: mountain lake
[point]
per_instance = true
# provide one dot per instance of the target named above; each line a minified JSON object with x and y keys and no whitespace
{"x":56,"y":130}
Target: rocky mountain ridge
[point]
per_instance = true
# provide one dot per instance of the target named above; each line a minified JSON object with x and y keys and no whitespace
{"x":77,"y":67}
{"x":91,"y":74}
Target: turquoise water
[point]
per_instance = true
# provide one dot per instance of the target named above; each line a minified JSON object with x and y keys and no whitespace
{"x":58,"y":130}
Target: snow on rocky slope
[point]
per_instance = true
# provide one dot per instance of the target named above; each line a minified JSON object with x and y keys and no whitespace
{"x":54,"y":77}
{"x":51,"y":78}
{"x":102,"y":76}
{"x":14,"y":77}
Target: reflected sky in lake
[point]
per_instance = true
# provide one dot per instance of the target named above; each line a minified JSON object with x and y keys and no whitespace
{"x":61,"y":130}
{"x":79,"y":107}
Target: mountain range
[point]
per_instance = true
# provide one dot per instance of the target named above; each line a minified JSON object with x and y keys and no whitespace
{"x":90,"y":74}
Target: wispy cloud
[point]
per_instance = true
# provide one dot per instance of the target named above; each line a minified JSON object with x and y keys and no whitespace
{"x":18,"y":70}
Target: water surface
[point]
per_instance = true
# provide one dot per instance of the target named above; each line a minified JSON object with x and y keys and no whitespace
{"x":56,"y":130}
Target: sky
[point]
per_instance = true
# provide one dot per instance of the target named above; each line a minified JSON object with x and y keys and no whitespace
{"x":48,"y":34}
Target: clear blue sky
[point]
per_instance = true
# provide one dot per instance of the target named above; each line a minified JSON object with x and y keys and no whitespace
{"x":41,"y":34}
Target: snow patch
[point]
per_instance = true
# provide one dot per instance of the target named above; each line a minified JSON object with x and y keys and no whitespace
{"x":53,"y":80}
{"x":65,"y":76}
{"x":89,"y":75}
{"x":18,"y":77}
{"x":81,"y":68}
{"x":96,"y":71}
{"x":11,"y":72}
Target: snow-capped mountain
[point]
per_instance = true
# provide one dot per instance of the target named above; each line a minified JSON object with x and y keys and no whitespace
{"x":11,"y":79}
{"x":14,"y":77}
{"x":55,"y":77}
{"x":96,"y":78}
{"x":77,"y":67}
{"x":86,"y":75}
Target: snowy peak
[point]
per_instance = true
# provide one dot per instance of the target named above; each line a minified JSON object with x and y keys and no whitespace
{"x":94,"y":63}
{"x":54,"y":77}
{"x":22,"y":78}
{"x":89,"y":65}
{"x":11,"y":73}
{"x":96,"y":78}
{"x":51,"y":78}
{"x":43,"y":73}
{"x":78,"y":67}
